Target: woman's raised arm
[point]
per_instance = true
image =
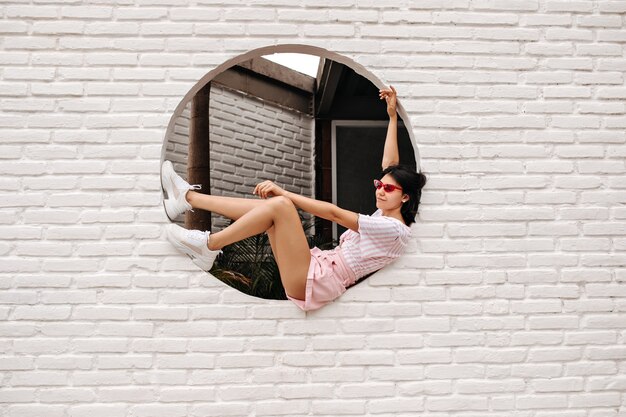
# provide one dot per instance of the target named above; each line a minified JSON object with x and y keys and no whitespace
{"x":390,"y":154}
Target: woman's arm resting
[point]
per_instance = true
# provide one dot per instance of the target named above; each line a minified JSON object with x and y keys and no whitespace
{"x":325,"y":210}
{"x":318,"y":208}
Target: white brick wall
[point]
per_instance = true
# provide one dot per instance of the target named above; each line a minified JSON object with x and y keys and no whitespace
{"x":510,"y":301}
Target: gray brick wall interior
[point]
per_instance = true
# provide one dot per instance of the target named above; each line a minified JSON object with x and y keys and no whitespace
{"x":251,"y":140}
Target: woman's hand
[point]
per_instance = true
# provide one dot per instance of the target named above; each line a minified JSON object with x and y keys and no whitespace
{"x":267,"y":189}
{"x":389,"y":94}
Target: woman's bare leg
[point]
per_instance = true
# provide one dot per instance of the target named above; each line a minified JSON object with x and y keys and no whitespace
{"x":231,"y":207}
{"x":290,"y":240}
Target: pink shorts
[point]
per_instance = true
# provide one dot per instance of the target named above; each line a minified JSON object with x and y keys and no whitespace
{"x":327,"y":279}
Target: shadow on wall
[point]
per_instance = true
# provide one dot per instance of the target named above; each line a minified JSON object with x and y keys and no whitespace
{"x":319,"y":136}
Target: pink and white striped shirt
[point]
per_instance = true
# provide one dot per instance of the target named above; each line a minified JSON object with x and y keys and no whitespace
{"x":379,"y":241}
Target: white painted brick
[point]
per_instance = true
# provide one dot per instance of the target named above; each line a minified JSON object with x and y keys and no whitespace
{"x":474,"y":18}
{"x":194,"y":361}
{"x":596,"y":400}
{"x":13,"y":89}
{"x":65,"y":89}
{"x":164,"y":29}
{"x":281,"y":408}
{"x":16,"y":395}
{"x":16,"y":363}
{"x":611,"y":7}
{"x":569,"y":6}
{"x":9,"y":26}
{"x":601,"y":167}
{"x":405,"y":31}
{"x":542,"y":323}
{"x":548,"y":19}
{"x":511,"y":5}
{"x":352,"y":15}
{"x":116,"y":362}
{"x":597,"y":50}
{"x":15,"y":58}
{"x":270,"y":29}
{"x":541,"y":401}
{"x":602,"y":108}
{"x":560,"y":34}
{"x":566,"y":92}
{"x":307,"y":391}
{"x":108,"y":89}
{"x":610,"y":35}
{"x":55,"y":28}
{"x":139,"y":45}
{"x":143,"y":13}
{"x":338,"y":407}
{"x":107,"y":183}
{"x":318,"y":327}
{"x":558,"y":384}
{"x":248,"y":393}
{"x":28,"y":74}
{"x":35,"y":410}
{"x":55,"y":121}
{"x":555,"y":77}
{"x":82,"y":128}
{"x":598,"y":21}
{"x":308,"y":15}
{"x":444,"y":277}
{"x":85,"y":105}
{"x":117,"y":216}
{"x":39,"y":378}
{"x":89,"y":12}
{"x":37,"y":12}
{"x":126,"y":74}
{"x":568,"y":63}
{"x":41,"y":346}
{"x":69,"y":265}
{"x":549,"y":166}
{"x":220,"y":408}
{"x":85,"y":44}
{"x":617,"y":122}
{"x":151,"y":410}
{"x":187,"y":394}
{"x":318,"y":30}
{"x":112,"y":28}
{"x":539,"y":48}
{"x":24,"y":43}
{"x":250,"y":13}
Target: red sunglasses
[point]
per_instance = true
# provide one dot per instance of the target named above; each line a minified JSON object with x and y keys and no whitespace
{"x":387,"y":187}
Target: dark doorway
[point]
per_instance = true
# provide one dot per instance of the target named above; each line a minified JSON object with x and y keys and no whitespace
{"x":350,"y":130}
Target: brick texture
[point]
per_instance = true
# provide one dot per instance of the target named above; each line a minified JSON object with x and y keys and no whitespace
{"x":251,"y":140}
{"x":510,"y":300}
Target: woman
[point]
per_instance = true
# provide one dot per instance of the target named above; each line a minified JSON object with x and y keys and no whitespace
{"x":311,"y":277}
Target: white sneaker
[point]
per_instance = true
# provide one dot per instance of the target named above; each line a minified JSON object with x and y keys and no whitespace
{"x":176,"y":189}
{"x":193,"y":243}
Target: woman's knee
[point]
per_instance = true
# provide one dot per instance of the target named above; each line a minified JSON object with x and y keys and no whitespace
{"x":281,"y":202}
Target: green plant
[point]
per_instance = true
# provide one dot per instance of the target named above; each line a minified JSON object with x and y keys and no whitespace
{"x":250,"y":267}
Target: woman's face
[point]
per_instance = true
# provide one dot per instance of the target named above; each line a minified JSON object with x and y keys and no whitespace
{"x":389,"y":200}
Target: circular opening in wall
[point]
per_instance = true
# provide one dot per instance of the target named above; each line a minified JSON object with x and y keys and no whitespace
{"x":305,"y":118}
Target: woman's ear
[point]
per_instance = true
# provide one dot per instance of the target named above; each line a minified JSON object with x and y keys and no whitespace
{"x":405,"y":198}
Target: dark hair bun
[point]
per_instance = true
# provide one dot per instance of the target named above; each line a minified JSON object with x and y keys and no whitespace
{"x":412,"y":183}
